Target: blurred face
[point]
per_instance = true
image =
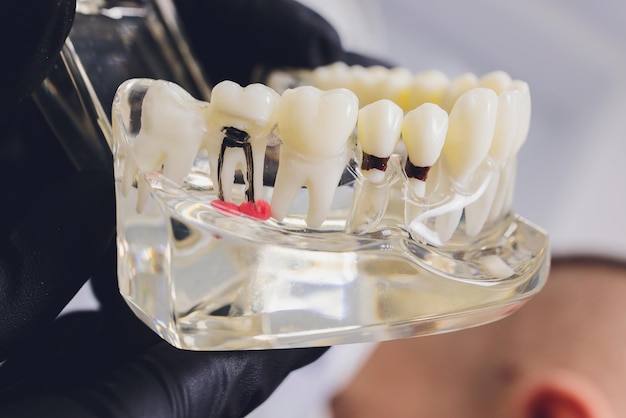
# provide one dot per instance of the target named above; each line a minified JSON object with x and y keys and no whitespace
{"x":574,"y":325}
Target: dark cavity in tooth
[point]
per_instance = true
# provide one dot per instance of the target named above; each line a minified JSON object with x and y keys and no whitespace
{"x":135,"y":101}
{"x":416,"y":172}
{"x":371,"y":161}
{"x":236,"y":138}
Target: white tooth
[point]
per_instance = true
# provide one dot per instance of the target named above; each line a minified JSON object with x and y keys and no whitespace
{"x":426,"y":87}
{"x":366,"y":82}
{"x":470,"y":133}
{"x":172,"y":127}
{"x":423,"y":132}
{"x":378,"y":128}
{"x":524,"y":114}
{"x":506,"y":129}
{"x":315,"y":127}
{"x":456,"y":88}
{"x":332,"y":76}
{"x":504,"y":195}
{"x":396,"y":84}
{"x":252,"y":111}
{"x":498,"y":81}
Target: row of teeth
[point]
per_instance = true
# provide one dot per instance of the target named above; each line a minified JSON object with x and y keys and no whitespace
{"x":486,"y":123}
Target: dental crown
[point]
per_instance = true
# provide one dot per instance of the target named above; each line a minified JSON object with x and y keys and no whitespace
{"x":338,"y":148}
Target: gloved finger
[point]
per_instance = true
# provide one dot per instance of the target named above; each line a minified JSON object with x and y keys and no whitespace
{"x":232,"y":37}
{"x":51,"y":252}
{"x":33,"y":33}
{"x":168,"y":382}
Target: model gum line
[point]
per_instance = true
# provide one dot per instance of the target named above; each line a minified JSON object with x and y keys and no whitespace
{"x":414,"y":122}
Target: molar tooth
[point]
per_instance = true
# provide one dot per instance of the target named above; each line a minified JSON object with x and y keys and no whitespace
{"x":332,"y":76}
{"x":456,"y":88}
{"x":245,"y":116}
{"x":315,"y":127}
{"x":171,"y":129}
{"x":498,"y":81}
{"x":366,"y":82}
{"x":423,"y":132}
{"x":426,"y":87}
{"x":470,"y":133}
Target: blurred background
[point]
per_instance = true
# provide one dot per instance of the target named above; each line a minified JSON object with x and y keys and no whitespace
{"x":573,"y":165}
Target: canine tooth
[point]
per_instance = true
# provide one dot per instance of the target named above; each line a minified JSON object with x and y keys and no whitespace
{"x":456,"y":88}
{"x":423,"y":132}
{"x":470,"y":132}
{"x":378,"y":128}
{"x":244,"y":116}
{"x":426,"y":87}
{"x":315,"y":127}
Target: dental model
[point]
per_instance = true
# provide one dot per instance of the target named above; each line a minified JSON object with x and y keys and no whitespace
{"x":464,"y":131}
{"x":378,"y":131}
{"x":315,"y":127}
{"x":245,"y":116}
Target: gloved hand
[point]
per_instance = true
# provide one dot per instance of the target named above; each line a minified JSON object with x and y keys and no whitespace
{"x":57,"y":231}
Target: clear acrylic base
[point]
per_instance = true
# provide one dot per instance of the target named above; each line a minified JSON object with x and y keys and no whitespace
{"x":208,"y":280}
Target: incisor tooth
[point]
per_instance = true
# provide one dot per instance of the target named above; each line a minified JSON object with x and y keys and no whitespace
{"x":423,"y":132}
{"x":244,"y":116}
{"x":378,"y":128}
{"x":315,"y":127}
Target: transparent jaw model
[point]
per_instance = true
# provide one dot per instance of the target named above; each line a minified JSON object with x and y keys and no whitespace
{"x":321,"y":216}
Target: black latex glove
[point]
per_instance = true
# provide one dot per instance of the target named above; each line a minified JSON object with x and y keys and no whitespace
{"x":57,"y":231}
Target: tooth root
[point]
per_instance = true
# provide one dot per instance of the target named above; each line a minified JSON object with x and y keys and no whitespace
{"x":446,"y":224}
{"x":476,"y":213}
{"x":378,"y":128}
{"x":245,"y":116}
{"x":457,"y":87}
{"x":426,"y":87}
{"x":424,"y":131}
{"x":470,"y":132}
{"x":315,"y":127}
